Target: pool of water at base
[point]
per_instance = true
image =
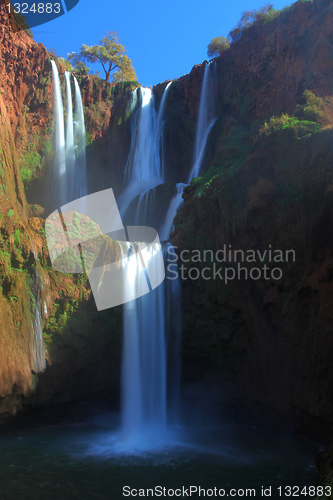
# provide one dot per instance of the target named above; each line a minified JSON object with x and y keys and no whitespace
{"x":91,"y":460}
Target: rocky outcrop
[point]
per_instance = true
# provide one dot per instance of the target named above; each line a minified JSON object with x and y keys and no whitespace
{"x":32,"y":295}
{"x":266,"y":340}
{"x":268,"y":69}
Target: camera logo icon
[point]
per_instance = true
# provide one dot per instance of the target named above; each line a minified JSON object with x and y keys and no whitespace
{"x":122,"y":263}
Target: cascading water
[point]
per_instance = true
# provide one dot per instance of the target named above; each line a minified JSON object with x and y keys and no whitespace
{"x":171,"y":213}
{"x":60,"y":183}
{"x":144,"y":168}
{"x":80,"y":141}
{"x":144,"y":364}
{"x":206,"y":118}
{"x":70,"y":156}
{"x":38,"y":355}
{"x":69,"y":181}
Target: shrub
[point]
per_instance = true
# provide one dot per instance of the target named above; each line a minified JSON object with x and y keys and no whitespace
{"x":67,"y":64}
{"x":301,"y":127}
{"x":253,"y":17}
{"x":30,"y":165}
{"x":217,"y":46}
{"x":315,"y":109}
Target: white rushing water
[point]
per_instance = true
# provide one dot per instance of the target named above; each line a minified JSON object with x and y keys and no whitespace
{"x":144,"y":168}
{"x":60,"y":156}
{"x":206,"y":119}
{"x":70,"y":156}
{"x":69,"y":179}
{"x":144,"y":360}
{"x":171,"y":213}
{"x":145,"y":353}
{"x":38,"y":353}
{"x":80,"y":141}
{"x":152,"y":324}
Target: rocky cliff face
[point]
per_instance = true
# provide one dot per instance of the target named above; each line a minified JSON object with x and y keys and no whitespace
{"x":268,"y":69}
{"x":265,"y":342}
{"x":33,"y":297}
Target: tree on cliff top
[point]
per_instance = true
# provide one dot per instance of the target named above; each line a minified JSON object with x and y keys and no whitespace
{"x":217,"y":46}
{"x":250,"y":18}
{"x":111,"y":54}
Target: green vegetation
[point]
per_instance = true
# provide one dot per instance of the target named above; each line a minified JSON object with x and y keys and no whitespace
{"x":251,"y":18}
{"x":110,"y":54}
{"x":315,"y":109}
{"x":33,"y":158}
{"x":67,"y":64}
{"x":10,"y":213}
{"x":30,"y":164}
{"x":217,"y":46}
{"x":3,"y":187}
{"x":21,"y":22}
{"x":301,"y":127}
{"x":230,"y":156}
{"x":310,"y":117}
{"x":74,"y":64}
{"x":17,"y":239}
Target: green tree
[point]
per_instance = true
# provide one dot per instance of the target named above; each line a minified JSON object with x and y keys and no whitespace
{"x":251,"y":17}
{"x":78,"y":66}
{"x":125,"y":73}
{"x":217,"y":46}
{"x":111,"y":54}
{"x":67,"y":64}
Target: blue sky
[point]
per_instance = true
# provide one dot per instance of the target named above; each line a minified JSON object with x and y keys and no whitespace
{"x":164,"y":38}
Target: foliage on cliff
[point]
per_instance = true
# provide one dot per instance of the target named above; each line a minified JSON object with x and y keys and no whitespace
{"x":110,"y":54}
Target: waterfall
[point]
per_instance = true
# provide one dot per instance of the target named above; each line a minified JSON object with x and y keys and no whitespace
{"x":144,"y":361}
{"x":144,"y":168}
{"x":38,"y":357}
{"x":69,"y":176}
{"x":60,"y":158}
{"x":206,"y":118}
{"x":159,"y":126}
{"x":80,"y":141}
{"x":171,"y":213}
{"x":70,"y":157}
{"x":173,"y":330}
{"x":146,"y":326}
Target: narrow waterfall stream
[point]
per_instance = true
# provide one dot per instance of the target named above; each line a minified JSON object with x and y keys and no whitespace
{"x":79,"y":142}
{"x":206,"y":118}
{"x":38,"y":362}
{"x":70,"y":156}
